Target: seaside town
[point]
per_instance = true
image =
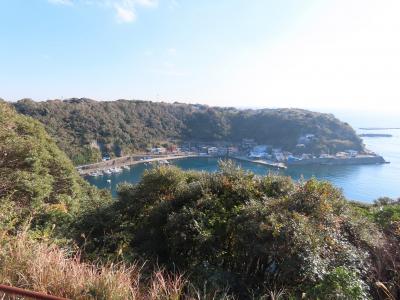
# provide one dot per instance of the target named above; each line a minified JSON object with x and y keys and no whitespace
{"x":247,"y":150}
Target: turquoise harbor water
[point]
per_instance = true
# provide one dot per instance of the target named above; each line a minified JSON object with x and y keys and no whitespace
{"x":362,"y":183}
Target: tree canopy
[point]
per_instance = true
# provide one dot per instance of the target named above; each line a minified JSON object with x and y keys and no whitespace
{"x":83,"y":128}
{"x":38,"y":181}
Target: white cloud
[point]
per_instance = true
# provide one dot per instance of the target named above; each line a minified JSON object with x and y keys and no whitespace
{"x":125,"y":10}
{"x":147,"y":2}
{"x":125,"y":14}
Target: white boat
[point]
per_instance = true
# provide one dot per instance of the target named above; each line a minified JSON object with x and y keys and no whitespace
{"x":116,"y":170}
{"x":126,"y":167}
{"x":96,"y":173}
{"x":108,"y":172}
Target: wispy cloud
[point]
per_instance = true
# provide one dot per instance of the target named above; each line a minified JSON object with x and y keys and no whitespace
{"x":125,"y":14}
{"x":61,"y":2}
{"x":125,"y":10}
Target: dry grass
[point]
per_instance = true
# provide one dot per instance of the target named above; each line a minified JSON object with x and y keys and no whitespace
{"x":47,"y":268}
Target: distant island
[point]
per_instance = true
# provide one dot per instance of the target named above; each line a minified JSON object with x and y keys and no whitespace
{"x":375,"y":135}
{"x":379,"y":128}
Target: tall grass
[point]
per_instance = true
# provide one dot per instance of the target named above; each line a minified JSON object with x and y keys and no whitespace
{"x":47,"y":268}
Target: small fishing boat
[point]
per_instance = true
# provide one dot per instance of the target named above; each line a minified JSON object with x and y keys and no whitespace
{"x":116,"y":170}
{"x":108,"y":172}
{"x":96,"y":174}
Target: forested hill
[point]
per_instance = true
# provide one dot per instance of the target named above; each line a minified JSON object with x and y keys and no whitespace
{"x":80,"y":125}
{"x":39,"y":184}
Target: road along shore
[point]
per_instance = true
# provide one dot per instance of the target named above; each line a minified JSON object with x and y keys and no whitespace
{"x":127,"y":161}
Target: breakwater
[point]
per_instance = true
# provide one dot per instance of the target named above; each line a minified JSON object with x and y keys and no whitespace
{"x":358,"y":160}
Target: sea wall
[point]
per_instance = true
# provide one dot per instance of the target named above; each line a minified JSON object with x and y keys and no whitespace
{"x":359,"y":160}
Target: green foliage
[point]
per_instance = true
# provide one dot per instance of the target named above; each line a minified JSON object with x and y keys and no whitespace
{"x":340,"y":283}
{"x":235,"y":229}
{"x":231,"y":232}
{"x":81,"y":126}
{"x":38,"y":184}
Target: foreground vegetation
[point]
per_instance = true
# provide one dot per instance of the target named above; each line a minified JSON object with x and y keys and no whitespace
{"x":178,"y":234}
{"x":39,"y":184}
{"x":84,"y":128}
{"x":251,"y":234}
{"x":44,"y":267}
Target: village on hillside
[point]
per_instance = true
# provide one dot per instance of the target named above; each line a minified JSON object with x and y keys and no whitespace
{"x":247,"y":150}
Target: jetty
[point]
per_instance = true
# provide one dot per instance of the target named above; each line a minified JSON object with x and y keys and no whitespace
{"x":334,"y":160}
{"x":127,"y":161}
{"x":268,"y":163}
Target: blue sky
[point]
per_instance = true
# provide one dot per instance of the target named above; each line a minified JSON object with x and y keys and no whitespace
{"x":259,"y":53}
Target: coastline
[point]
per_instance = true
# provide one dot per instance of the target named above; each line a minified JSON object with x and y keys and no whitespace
{"x":127,"y":161}
{"x":138,"y":159}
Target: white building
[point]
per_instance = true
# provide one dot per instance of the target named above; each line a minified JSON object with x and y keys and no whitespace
{"x":352,"y":153}
{"x":212,"y":150}
{"x":259,"y":151}
{"x":158,"y":150}
{"x":279,"y":156}
{"x":307,"y":138}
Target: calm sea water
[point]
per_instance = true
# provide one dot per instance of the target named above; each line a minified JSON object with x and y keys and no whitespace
{"x":362,"y":183}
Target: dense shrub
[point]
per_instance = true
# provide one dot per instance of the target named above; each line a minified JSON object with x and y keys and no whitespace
{"x":39,"y":185}
{"x":235,"y":229}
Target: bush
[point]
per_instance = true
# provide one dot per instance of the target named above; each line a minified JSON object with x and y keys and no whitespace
{"x":234,"y":229}
{"x":340,"y":283}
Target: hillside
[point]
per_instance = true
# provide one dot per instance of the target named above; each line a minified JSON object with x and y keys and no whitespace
{"x":81,"y":126}
{"x":39,"y":185}
{"x":233,"y":235}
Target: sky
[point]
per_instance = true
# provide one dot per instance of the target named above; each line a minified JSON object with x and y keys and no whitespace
{"x":319,"y":54}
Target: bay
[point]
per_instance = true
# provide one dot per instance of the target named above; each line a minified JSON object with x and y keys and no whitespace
{"x":361,"y":182}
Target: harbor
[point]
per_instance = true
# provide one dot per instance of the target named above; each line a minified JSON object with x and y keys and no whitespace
{"x":362,"y":176}
{"x":117,"y":165}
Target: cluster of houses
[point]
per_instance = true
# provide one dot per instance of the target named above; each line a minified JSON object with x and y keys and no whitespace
{"x":267,"y":152}
{"x":216,"y":150}
{"x":165,"y":150}
{"x":251,"y":149}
